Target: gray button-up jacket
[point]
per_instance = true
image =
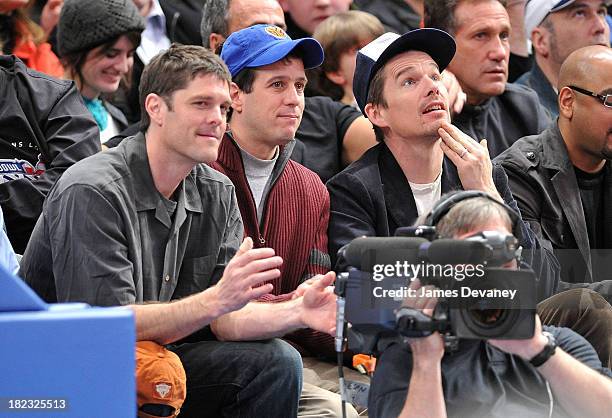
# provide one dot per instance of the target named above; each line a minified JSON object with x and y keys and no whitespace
{"x":106,"y":238}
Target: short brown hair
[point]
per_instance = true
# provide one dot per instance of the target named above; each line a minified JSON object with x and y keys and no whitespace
{"x":338,"y":34}
{"x":440,"y":14}
{"x":376,"y":96}
{"x":173,"y":69}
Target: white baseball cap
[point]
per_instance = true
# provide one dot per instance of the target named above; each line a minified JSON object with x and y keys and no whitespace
{"x":537,"y":10}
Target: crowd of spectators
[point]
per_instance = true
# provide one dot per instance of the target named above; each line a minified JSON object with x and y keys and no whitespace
{"x":203,"y":162}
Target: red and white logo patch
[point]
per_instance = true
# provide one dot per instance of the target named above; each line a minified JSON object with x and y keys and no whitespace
{"x":163,"y":389}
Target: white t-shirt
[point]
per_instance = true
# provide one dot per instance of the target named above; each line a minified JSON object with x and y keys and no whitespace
{"x":425,"y":195}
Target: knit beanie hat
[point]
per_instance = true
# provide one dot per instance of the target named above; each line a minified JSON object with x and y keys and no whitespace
{"x":86,"y":24}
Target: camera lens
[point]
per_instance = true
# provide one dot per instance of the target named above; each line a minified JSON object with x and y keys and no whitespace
{"x":488,"y":317}
{"x":500,"y":305}
{"x":488,"y":323}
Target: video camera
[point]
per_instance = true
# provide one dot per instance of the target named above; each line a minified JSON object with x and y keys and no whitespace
{"x":477,"y":298}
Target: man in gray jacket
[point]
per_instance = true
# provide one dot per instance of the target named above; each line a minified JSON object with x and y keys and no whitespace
{"x":562,"y":178}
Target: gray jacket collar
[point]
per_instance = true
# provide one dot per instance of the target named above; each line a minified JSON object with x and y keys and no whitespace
{"x":146,"y":195}
{"x":546,"y":93}
{"x":554,"y":155}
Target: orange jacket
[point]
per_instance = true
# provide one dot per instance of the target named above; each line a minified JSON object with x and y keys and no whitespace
{"x":39,"y":57}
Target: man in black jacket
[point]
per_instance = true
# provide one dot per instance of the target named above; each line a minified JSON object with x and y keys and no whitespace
{"x":44,"y":129}
{"x":562,"y":178}
{"x":398,"y":85}
{"x":562,"y":181}
{"x":495,"y":110}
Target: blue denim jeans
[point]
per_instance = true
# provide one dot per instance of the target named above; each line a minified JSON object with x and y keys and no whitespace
{"x":241,"y":379}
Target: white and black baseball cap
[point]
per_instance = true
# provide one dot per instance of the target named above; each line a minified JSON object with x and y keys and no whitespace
{"x":438,"y":44}
{"x":537,"y":10}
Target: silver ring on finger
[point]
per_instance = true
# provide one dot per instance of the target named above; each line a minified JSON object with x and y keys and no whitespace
{"x":463,"y":153}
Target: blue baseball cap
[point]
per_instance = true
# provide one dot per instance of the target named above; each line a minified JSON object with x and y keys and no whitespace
{"x":439,"y":45}
{"x":264,"y":44}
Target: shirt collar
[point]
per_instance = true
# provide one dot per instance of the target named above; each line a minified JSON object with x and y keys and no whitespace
{"x":146,"y":194}
{"x":156,"y":12}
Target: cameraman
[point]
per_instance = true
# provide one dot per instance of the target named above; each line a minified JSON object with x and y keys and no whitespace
{"x":495,"y":378}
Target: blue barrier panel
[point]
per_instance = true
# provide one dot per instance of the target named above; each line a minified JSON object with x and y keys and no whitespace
{"x":66,"y":360}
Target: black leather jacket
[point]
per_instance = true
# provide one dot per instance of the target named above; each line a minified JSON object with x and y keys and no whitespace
{"x":543,"y":181}
{"x":44,"y":129}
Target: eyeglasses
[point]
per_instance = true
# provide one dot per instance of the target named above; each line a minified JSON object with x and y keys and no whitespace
{"x":605,"y":100}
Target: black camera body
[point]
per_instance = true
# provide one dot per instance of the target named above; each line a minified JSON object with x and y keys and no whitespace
{"x":492,"y":303}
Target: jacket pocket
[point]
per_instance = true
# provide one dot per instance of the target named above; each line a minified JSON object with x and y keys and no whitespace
{"x":553,"y":230}
{"x":195,"y":275}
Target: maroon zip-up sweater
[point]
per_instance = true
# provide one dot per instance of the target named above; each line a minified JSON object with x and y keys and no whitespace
{"x":294,"y":224}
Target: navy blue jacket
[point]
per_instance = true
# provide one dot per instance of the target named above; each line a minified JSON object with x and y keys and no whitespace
{"x":537,"y":81}
{"x":503,"y":119}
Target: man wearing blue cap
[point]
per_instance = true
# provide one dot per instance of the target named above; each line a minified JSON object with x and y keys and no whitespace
{"x":556,"y":29}
{"x":397,"y":85}
{"x":284,"y":205}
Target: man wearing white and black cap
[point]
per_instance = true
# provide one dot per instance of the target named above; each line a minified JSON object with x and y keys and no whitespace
{"x":397,"y":85}
{"x":556,"y":29}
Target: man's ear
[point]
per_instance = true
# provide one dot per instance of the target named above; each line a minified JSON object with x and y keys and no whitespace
{"x":566,"y":101}
{"x":336,"y":77}
{"x":376,"y":115}
{"x":284,"y":4}
{"x":156,"y":108}
{"x":237,"y":96}
{"x":214,"y":40}
{"x":540,"y":39}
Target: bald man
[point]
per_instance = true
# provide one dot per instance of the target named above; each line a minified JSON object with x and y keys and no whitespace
{"x":562,"y":181}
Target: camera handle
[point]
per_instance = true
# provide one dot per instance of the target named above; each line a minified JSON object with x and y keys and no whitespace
{"x":340,"y":339}
{"x":413,"y":323}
